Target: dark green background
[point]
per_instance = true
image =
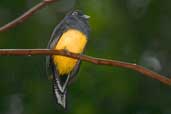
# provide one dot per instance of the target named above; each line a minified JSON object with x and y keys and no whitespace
{"x":136,"y":31}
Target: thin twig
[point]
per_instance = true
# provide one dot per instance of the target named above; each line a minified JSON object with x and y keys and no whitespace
{"x":99,"y":61}
{"x":26,"y":15}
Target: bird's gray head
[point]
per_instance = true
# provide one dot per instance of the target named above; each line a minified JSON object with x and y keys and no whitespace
{"x":79,"y":14}
{"x":77,"y":19}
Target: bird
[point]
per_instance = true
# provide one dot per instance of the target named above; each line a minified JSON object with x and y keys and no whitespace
{"x":72,"y":35}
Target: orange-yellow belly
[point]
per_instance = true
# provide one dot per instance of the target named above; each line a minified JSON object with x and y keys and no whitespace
{"x":73,"y":41}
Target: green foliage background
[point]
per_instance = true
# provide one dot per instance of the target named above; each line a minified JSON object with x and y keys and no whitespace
{"x":136,"y":31}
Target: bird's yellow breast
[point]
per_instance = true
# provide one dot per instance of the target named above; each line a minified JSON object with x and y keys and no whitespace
{"x":74,"y":41}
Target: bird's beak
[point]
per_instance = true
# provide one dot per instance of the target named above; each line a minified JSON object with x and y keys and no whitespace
{"x":86,"y":16}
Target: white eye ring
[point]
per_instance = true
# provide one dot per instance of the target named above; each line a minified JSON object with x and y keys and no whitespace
{"x":75,"y":13}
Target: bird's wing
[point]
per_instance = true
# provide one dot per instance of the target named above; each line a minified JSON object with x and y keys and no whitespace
{"x":74,"y":72}
{"x":50,"y":66}
{"x":51,"y":71}
{"x":56,"y":34}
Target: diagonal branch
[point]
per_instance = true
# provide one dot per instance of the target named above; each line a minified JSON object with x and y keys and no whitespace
{"x":26,"y":15}
{"x":98,"y":61}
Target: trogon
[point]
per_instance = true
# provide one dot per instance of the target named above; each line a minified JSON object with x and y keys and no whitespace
{"x":71,"y":34}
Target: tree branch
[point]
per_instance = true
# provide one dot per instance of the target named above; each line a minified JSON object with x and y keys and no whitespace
{"x":99,"y":61}
{"x":26,"y":15}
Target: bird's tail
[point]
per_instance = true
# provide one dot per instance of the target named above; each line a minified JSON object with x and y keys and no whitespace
{"x":60,"y":96}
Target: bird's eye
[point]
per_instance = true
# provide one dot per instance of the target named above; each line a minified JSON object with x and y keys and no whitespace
{"x":75,"y":13}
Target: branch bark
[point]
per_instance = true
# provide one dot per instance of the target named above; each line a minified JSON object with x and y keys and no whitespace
{"x":98,"y":61}
{"x":26,"y":15}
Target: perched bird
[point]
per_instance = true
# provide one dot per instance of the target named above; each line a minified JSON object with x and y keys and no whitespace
{"x":71,"y":34}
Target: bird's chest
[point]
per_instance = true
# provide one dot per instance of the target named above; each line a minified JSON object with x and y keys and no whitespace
{"x":73,"y":41}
